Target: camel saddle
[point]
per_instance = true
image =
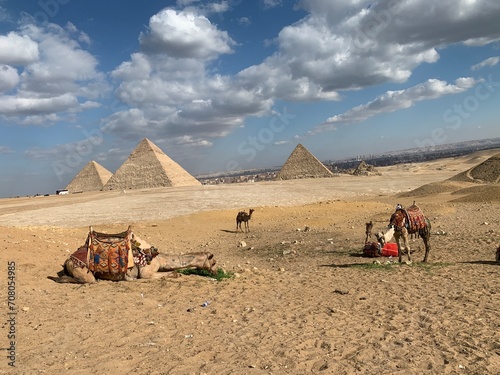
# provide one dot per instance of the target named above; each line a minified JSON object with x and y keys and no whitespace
{"x":107,"y":256}
{"x":372,"y":249}
{"x":412,"y":218}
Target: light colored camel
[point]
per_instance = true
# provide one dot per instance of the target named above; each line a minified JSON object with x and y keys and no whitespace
{"x":243,"y":217}
{"x":158,"y":267}
{"x":383,"y":238}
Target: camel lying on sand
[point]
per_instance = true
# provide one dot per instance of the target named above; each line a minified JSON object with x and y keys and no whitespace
{"x":143,"y":261}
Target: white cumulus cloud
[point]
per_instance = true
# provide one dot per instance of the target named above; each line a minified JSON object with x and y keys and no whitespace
{"x":338,"y":46}
{"x":489,"y":62}
{"x":392,"y":101}
{"x":45,"y":73}
{"x":184,"y":35}
{"x":16,"y":49}
{"x":8,"y":78}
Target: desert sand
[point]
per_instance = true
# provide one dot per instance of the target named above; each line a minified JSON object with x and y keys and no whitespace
{"x":299,"y":302}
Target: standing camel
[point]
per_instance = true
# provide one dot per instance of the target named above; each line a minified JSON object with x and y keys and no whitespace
{"x":410,"y":221}
{"x":243,"y":217}
{"x":368,"y":231}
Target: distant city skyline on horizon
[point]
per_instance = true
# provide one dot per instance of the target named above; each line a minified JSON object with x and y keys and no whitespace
{"x":484,"y":145}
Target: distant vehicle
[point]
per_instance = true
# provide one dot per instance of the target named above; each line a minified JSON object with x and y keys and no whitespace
{"x":62,"y":192}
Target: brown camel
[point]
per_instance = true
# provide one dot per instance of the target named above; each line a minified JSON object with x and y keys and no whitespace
{"x":146,"y":263}
{"x":410,"y":221}
{"x":368,"y":231}
{"x":498,"y":254}
{"x":243,"y":217}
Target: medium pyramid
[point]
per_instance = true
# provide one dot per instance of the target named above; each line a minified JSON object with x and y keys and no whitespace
{"x":148,"y":167}
{"x":302,"y":164}
{"x":91,"y":178}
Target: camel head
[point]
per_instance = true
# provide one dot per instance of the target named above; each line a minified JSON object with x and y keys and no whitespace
{"x":380,"y":238}
{"x":383,"y":238}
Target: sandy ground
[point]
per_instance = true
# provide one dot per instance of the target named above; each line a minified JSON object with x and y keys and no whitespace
{"x":300,"y":302}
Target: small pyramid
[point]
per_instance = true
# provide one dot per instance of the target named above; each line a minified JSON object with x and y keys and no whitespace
{"x":365,"y":169}
{"x":148,"y":167}
{"x":302,"y":164}
{"x":91,"y":178}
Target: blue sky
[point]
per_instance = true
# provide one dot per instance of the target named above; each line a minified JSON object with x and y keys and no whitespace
{"x":229,"y":85}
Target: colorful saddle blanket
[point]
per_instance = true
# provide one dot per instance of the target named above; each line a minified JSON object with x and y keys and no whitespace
{"x":412,"y":218}
{"x":79,"y":257}
{"x":108,"y":254}
{"x":416,"y":218}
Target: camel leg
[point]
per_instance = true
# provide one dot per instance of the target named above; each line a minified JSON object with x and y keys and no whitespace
{"x":74,"y":274}
{"x":406,"y":242}
{"x":427,"y":245}
{"x":425,"y":233}
{"x":201,"y":260}
{"x":397,"y":237}
{"x":150,"y":271}
{"x":404,"y":233}
{"x":157,"y":275}
{"x":132,"y":273}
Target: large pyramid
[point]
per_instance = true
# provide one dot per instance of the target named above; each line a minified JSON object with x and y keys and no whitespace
{"x":302,"y":164}
{"x":91,"y":178}
{"x":148,"y":167}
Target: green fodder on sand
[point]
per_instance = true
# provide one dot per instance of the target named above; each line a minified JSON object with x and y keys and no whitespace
{"x":219,"y":275}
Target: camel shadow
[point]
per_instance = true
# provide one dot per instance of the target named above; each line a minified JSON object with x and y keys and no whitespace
{"x":347,"y":265}
{"x":487,"y":262}
{"x":354,"y":255}
{"x":230,"y":231}
{"x":360,"y":265}
{"x":358,"y":255}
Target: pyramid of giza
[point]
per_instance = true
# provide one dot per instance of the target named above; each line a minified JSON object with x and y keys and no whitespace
{"x":91,"y":178}
{"x":148,"y":167}
{"x":486,"y":172}
{"x":302,"y":164}
{"x":365,"y":169}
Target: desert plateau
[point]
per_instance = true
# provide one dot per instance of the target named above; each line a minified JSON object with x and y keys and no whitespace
{"x":301,"y":298}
